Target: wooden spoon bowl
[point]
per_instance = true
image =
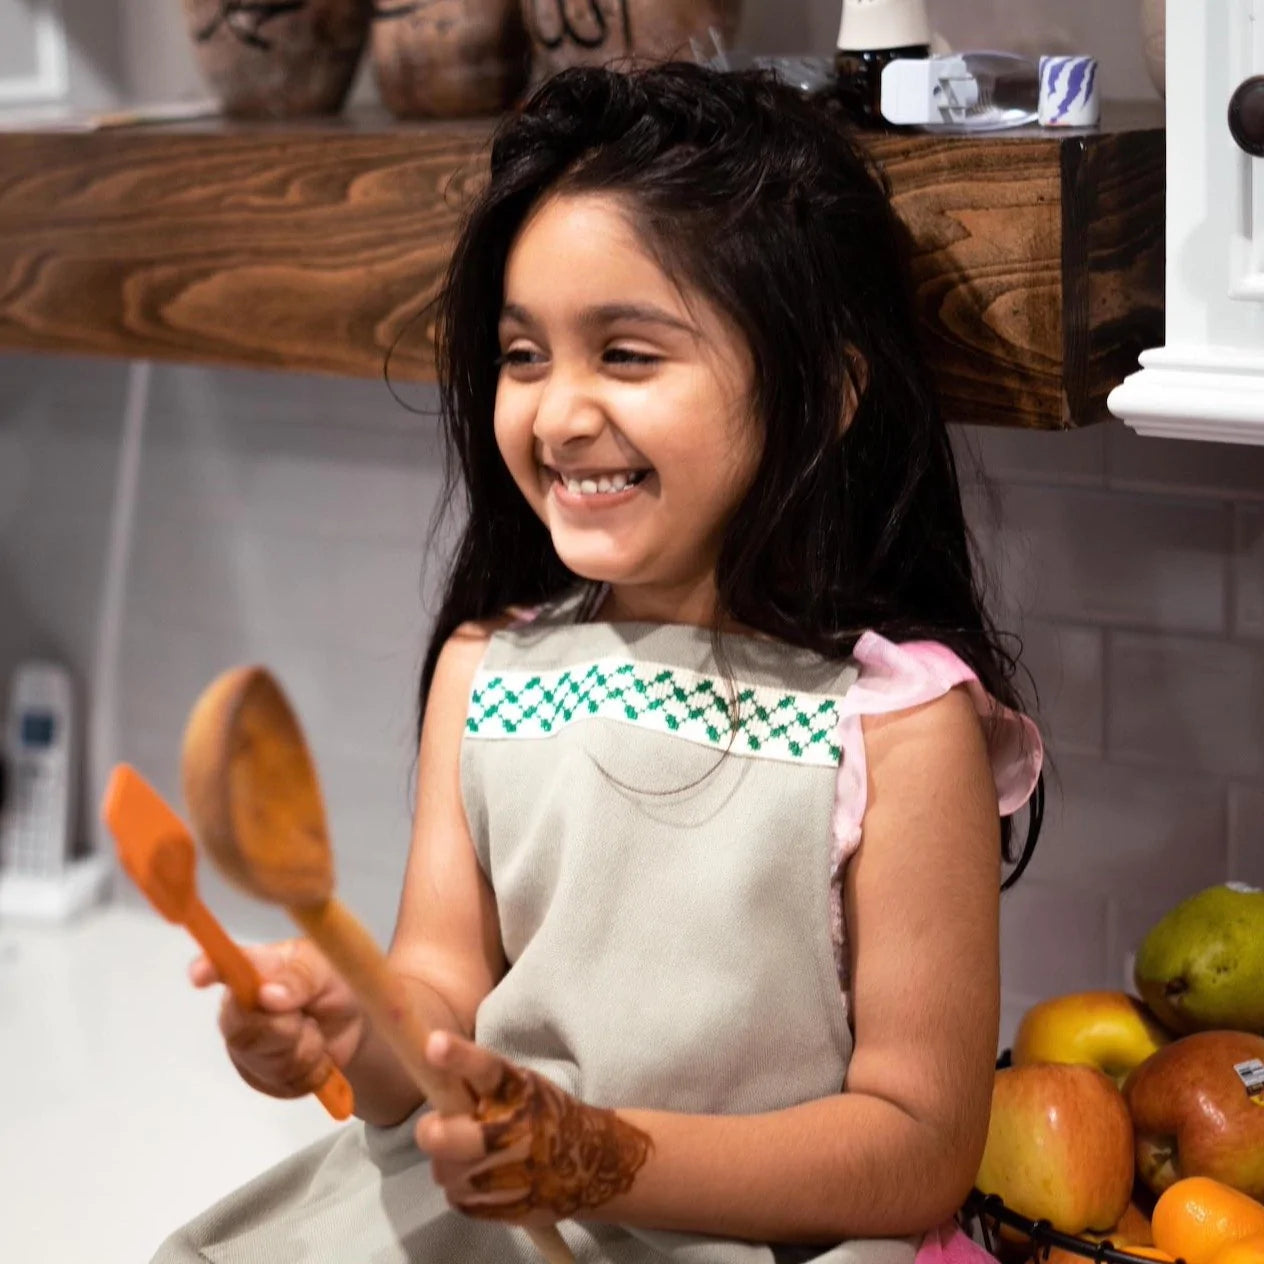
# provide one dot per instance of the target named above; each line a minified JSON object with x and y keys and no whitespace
{"x":251,"y":787}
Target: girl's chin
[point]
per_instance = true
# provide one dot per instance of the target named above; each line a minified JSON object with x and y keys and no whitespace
{"x":598,"y":570}
{"x":601,"y":561}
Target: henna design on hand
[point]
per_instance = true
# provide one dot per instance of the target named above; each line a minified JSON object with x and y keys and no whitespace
{"x":573,"y":1156}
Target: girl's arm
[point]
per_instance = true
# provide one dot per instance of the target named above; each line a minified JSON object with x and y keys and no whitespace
{"x":447,"y":937}
{"x":897,"y":1152}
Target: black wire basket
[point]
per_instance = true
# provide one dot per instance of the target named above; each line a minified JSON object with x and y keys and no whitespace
{"x":988,"y":1212}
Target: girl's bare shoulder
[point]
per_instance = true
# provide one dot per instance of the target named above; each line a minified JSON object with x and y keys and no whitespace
{"x":464,"y":649}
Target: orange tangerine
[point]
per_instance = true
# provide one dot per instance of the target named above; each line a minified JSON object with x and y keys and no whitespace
{"x":1197,"y":1216}
{"x":1243,"y":1251}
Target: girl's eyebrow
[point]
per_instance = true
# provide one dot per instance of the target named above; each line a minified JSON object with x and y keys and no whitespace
{"x":608,"y":314}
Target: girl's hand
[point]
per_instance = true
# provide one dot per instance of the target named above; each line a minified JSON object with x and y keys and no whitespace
{"x":306,"y":1018}
{"x":526,"y":1153}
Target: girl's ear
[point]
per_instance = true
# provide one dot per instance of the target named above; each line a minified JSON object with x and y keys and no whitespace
{"x":855,"y":384}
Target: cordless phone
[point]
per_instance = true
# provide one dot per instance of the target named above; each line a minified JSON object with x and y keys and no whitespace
{"x":37,"y":819}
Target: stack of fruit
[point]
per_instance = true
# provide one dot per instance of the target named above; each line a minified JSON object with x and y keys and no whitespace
{"x":1141,"y":1119}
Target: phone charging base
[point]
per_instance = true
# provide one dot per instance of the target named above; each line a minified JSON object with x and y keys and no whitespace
{"x":55,"y":897}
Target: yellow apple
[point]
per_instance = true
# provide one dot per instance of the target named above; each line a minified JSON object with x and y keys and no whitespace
{"x":1059,"y":1146}
{"x":1112,"y":1031}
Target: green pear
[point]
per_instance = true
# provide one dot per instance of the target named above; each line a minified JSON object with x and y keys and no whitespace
{"x":1201,"y":967}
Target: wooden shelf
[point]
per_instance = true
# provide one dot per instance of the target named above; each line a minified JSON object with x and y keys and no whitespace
{"x":314,"y":246}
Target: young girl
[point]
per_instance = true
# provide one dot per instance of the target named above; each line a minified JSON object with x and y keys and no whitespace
{"x":718,"y":740}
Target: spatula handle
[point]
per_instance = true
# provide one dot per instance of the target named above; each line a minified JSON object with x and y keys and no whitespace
{"x":235,"y":968}
{"x":354,"y":953}
{"x":242,"y":979}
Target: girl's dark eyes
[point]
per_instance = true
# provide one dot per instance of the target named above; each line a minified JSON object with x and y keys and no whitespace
{"x":622,"y":355}
{"x":522,"y":357}
{"x":517,"y":356}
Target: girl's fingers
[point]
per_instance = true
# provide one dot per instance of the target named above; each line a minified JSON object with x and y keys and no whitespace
{"x":504,"y":1168}
{"x":202,"y":973}
{"x":249,"y":1031}
{"x":461,"y":1059}
{"x":450,"y":1139}
{"x":475,"y":1202}
{"x":293,"y":974}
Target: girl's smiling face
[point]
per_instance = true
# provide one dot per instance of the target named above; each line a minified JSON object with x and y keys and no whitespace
{"x":623,"y":409}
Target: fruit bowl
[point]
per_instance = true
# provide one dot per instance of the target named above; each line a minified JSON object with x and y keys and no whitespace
{"x":990,"y":1213}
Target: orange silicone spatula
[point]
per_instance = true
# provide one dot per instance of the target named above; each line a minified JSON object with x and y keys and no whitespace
{"x":158,"y":853}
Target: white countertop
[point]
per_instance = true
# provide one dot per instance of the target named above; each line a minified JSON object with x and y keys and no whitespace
{"x":120,"y":1115}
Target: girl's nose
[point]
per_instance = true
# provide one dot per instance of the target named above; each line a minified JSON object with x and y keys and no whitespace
{"x":567,"y":412}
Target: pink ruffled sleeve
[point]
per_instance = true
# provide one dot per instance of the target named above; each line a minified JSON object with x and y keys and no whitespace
{"x":949,"y":1245}
{"x":895,"y":678}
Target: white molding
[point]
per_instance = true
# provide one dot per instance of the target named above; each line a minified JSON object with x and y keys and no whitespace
{"x":51,"y":80}
{"x":1190,"y":392}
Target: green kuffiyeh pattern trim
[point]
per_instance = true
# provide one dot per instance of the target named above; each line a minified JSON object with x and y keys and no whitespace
{"x":772,"y":723}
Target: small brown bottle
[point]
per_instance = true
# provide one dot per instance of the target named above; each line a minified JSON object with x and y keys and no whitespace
{"x":871,"y":35}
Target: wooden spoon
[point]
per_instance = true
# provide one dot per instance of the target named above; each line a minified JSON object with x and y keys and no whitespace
{"x":157,"y":852}
{"x":253,"y":794}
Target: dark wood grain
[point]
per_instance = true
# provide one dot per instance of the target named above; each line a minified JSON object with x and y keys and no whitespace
{"x":1113,"y":244}
{"x":303,"y":250}
{"x":1038,"y":260}
{"x":1037,"y":266}
{"x":986,"y":270}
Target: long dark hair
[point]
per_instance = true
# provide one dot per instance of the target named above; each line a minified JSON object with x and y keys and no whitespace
{"x":760,"y":200}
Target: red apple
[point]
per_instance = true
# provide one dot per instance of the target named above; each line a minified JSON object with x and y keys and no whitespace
{"x":1193,"y":1116}
{"x":1059,"y":1146}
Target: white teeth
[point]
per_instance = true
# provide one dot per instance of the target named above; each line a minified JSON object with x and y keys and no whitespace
{"x":606,"y":484}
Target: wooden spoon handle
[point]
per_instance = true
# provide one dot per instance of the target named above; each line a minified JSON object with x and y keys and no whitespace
{"x":354,"y":953}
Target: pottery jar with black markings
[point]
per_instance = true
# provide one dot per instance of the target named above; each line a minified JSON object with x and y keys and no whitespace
{"x":625,"y":32}
{"x":278,"y":58}
{"x":449,"y":58}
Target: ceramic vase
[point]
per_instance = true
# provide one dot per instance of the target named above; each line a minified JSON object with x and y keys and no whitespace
{"x":624,"y":32}
{"x":278,"y":58}
{"x":1154,"y":41}
{"x":446,"y":58}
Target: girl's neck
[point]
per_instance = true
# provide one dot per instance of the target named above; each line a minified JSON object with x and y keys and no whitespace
{"x":627,"y":603}
{"x":694,"y":606}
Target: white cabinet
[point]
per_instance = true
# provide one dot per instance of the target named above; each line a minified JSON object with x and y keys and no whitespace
{"x":1207,"y":381}
{"x":63,"y":56}
{"x":33,"y":57}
